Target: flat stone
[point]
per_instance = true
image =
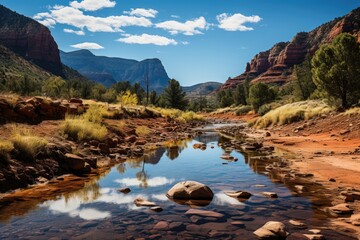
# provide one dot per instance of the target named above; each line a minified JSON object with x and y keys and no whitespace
{"x":143,"y":202}
{"x":298,"y":224}
{"x":238,"y":224}
{"x":239,"y":194}
{"x":204,"y":213}
{"x":156,"y":209}
{"x":314,"y":236}
{"x":340,"y":209}
{"x":270,"y":194}
{"x":272,"y":230}
{"x":162,"y":225}
{"x":124,"y":190}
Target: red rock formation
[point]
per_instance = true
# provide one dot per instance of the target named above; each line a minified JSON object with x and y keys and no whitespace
{"x":29,"y":39}
{"x":275,"y":65}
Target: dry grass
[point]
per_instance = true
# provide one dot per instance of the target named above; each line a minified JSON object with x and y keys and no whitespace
{"x":293,"y":112}
{"x":79,"y":128}
{"x":352,"y":111}
{"x":178,"y":115}
{"x":5,"y":149}
{"x":142,"y":130}
{"x":26,"y":144}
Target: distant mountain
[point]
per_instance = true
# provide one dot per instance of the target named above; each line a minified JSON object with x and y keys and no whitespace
{"x":109,"y":70}
{"x":275,"y":65}
{"x":29,"y":39}
{"x":201,"y":89}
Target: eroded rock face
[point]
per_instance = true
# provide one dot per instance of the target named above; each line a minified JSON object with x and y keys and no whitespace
{"x":190,"y":190}
{"x":29,"y":39}
{"x":274,"y":65}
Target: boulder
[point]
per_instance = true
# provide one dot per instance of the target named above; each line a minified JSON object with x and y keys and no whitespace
{"x":239,"y":194}
{"x":74,"y":162}
{"x":272,"y":230}
{"x":190,"y":190}
{"x":124,"y":190}
{"x":270,"y":194}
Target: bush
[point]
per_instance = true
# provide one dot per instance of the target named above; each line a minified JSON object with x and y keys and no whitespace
{"x":5,"y":149}
{"x":264,"y":109}
{"x":293,"y":112}
{"x":142,"y":130}
{"x":352,"y":111}
{"x":26,"y":144}
{"x":243,"y":110}
{"x":78,"y":128}
{"x":127,"y":98}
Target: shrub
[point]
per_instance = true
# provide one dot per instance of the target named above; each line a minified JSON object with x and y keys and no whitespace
{"x":142,"y":130}
{"x":260,"y":94}
{"x":5,"y":148}
{"x":127,"y":98}
{"x":264,"y":109}
{"x":26,"y":144}
{"x":243,"y":110}
{"x":293,"y":112}
{"x":352,"y":111}
{"x":79,"y":128}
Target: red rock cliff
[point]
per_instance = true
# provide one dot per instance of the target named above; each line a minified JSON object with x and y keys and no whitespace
{"x":29,"y":39}
{"x":274,"y":65}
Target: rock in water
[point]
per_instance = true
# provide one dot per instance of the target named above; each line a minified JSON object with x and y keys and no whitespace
{"x":143,"y":202}
{"x":272,"y":230}
{"x":239,"y":194}
{"x":190,"y":190}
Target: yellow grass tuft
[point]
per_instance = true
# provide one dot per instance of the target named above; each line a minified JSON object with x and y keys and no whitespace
{"x":79,"y":128}
{"x":5,"y":148}
{"x":293,"y":112}
{"x":142,"y":130}
{"x":179,"y":115}
{"x":26,"y":144}
{"x":352,"y":111}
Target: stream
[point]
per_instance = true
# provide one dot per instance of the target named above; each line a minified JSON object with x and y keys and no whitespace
{"x":99,"y":211}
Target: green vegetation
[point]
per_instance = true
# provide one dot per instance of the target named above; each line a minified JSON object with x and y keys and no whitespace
{"x":25,"y":143}
{"x":293,"y":112}
{"x":260,"y":94}
{"x":174,"y":96}
{"x":336,"y":69}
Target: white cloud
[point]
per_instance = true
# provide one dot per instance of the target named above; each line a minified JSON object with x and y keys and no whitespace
{"x":151,"y":182}
{"x":236,"y":22}
{"x":175,"y":16}
{"x":87,"y":45}
{"x":185,"y":43}
{"x":93,"y":5}
{"x":76,"y":18}
{"x":80,"y":32}
{"x":188,"y":28}
{"x":147,"y":39}
{"x":142,"y":12}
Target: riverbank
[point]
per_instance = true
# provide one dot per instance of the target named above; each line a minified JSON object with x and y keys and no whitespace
{"x":326,"y":148}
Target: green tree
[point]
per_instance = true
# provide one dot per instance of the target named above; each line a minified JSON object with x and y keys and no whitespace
{"x":336,"y":69}
{"x":240,"y":95}
{"x":154,"y":98}
{"x":302,"y":77}
{"x":54,"y":87}
{"x":225,"y":98}
{"x":97,"y":91}
{"x":260,"y":94}
{"x":174,"y":96}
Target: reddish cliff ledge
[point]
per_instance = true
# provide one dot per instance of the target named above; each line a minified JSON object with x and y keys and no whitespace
{"x":29,"y":39}
{"x":275,"y":65}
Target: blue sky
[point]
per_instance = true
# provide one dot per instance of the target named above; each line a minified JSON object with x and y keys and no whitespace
{"x":197,"y":40}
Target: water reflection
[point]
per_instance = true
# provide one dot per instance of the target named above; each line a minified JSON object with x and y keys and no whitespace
{"x":224,"y":200}
{"x":151,"y":182}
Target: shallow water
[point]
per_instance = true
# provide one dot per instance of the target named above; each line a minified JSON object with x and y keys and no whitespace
{"x":98,"y":211}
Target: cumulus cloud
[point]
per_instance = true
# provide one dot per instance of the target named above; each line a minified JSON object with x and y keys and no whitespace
{"x":152,"y":182}
{"x":87,"y":45}
{"x":142,"y":12}
{"x":236,"y":22}
{"x":80,"y":32}
{"x":187,"y":28}
{"x":76,"y":18}
{"x":93,"y":5}
{"x":147,"y":39}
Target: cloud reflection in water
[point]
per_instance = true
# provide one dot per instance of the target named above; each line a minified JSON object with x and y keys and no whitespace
{"x":151,"y":182}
